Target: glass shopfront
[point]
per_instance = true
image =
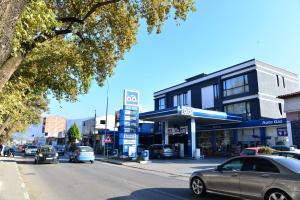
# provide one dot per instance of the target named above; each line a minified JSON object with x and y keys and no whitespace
{"x":216,"y":143}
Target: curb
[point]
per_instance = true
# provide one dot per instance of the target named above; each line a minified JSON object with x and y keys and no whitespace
{"x":109,"y":161}
{"x":136,"y":167}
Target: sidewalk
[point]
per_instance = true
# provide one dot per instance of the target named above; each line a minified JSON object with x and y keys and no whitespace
{"x":175,"y":167}
{"x":12,"y":186}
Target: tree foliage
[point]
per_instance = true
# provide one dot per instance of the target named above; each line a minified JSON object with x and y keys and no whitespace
{"x":62,"y":45}
{"x":74,"y":133}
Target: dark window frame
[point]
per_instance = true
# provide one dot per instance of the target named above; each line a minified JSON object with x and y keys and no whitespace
{"x":245,"y":86}
{"x":247,"y":115}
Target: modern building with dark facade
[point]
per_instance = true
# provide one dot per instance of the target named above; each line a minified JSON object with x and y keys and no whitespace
{"x":237,"y":106}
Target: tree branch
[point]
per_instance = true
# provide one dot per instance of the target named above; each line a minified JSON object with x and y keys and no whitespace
{"x":89,"y":13}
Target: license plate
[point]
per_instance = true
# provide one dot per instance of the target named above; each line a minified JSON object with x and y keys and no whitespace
{"x":49,"y":158}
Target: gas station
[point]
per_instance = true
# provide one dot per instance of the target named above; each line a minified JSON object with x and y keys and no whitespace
{"x":186,"y":120}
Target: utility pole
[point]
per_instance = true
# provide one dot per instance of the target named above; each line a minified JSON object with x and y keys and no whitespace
{"x":105,"y":131}
{"x":95,"y":130}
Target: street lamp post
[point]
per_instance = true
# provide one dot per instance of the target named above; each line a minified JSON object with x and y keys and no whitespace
{"x":105,"y":131}
{"x":95,"y":130}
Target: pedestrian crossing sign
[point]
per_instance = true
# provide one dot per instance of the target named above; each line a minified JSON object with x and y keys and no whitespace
{"x":108,"y":139}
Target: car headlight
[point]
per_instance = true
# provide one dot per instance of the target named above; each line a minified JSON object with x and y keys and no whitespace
{"x":40,"y":155}
{"x":56,"y":155}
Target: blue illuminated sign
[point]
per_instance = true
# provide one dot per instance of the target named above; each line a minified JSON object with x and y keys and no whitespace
{"x":131,"y":98}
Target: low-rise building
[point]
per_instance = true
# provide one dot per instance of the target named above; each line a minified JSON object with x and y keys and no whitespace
{"x":292,"y":110}
{"x":54,"y":129}
{"x":235,"y":106}
{"x":90,"y":132}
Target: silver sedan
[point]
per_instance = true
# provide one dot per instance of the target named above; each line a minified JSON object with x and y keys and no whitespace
{"x":251,"y":177}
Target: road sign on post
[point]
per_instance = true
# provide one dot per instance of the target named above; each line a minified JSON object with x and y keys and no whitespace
{"x":108,"y":139}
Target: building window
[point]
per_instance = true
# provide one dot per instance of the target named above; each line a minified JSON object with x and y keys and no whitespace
{"x":161,"y":103}
{"x":283,"y":82}
{"x":242,"y":108}
{"x":280,"y":108}
{"x":237,"y":85}
{"x":216,"y":91}
{"x":277,"y":80}
{"x":181,"y":99}
{"x":102,"y":121}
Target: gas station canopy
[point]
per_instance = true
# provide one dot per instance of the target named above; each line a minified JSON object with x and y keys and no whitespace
{"x":184,"y":113}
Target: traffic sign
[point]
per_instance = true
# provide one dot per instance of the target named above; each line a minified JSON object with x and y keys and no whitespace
{"x":108,"y":139}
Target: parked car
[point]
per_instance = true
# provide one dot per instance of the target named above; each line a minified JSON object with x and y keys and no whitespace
{"x":8,"y":151}
{"x":82,"y":154}
{"x":60,"y":149}
{"x":282,"y":148}
{"x":265,"y":177}
{"x":46,"y":154}
{"x":290,"y":154}
{"x":250,"y":151}
{"x":140,"y":148}
{"x":30,"y":150}
{"x":161,"y":151}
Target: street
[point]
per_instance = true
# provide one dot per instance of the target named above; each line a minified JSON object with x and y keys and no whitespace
{"x":99,"y":181}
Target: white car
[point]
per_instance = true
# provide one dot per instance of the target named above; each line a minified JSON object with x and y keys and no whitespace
{"x":30,"y":150}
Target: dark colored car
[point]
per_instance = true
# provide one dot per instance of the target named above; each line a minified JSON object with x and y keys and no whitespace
{"x":251,"y":177}
{"x":60,"y":149}
{"x":289,"y":154}
{"x":8,"y":151}
{"x":46,"y":154}
{"x":281,"y":148}
{"x":161,"y":151}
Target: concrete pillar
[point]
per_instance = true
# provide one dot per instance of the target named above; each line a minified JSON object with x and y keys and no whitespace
{"x":192,"y":137}
{"x":290,"y":133}
{"x":235,"y":136}
{"x":262,"y":131}
{"x":166,"y":134}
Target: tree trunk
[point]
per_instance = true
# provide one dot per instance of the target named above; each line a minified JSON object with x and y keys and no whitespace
{"x":8,"y":68}
{"x":10,"y":11}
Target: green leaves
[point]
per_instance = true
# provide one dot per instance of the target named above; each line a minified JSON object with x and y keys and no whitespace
{"x":68,"y":43}
{"x":74,"y":133}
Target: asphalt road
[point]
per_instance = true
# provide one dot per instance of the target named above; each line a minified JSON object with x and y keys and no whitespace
{"x":100,"y":181}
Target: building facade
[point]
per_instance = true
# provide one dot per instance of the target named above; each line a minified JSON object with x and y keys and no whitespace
{"x":54,"y":129}
{"x":292,"y":110}
{"x":237,"y":105}
{"x":91,"y":132}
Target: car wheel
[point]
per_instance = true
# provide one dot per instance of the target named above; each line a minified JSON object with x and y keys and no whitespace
{"x":158,"y":156}
{"x":92,"y":161}
{"x":198,"y":187}
{"x":277,"y":195}
{"x":35,"y":162}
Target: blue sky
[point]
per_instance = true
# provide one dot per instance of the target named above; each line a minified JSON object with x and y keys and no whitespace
{"x":219,"y":34}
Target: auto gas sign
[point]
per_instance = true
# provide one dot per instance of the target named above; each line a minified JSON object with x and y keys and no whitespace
{"x":131,"y":98}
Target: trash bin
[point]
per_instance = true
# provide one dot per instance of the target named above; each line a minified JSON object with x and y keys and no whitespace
{"x":145,"y":155}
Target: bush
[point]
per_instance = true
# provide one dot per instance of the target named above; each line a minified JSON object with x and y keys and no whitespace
{"x":265,"y":150}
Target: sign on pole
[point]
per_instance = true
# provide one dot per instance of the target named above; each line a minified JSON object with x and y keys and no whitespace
{"x":108,"y":139}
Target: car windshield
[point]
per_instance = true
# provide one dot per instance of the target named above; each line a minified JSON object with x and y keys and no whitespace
{"x":167,"y":146}
{"x":290,"y":163}
{"x":86,"y":149}
{"x":31,"y":147}
{"x":248,"y":152}
{"x":47,"y":149}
